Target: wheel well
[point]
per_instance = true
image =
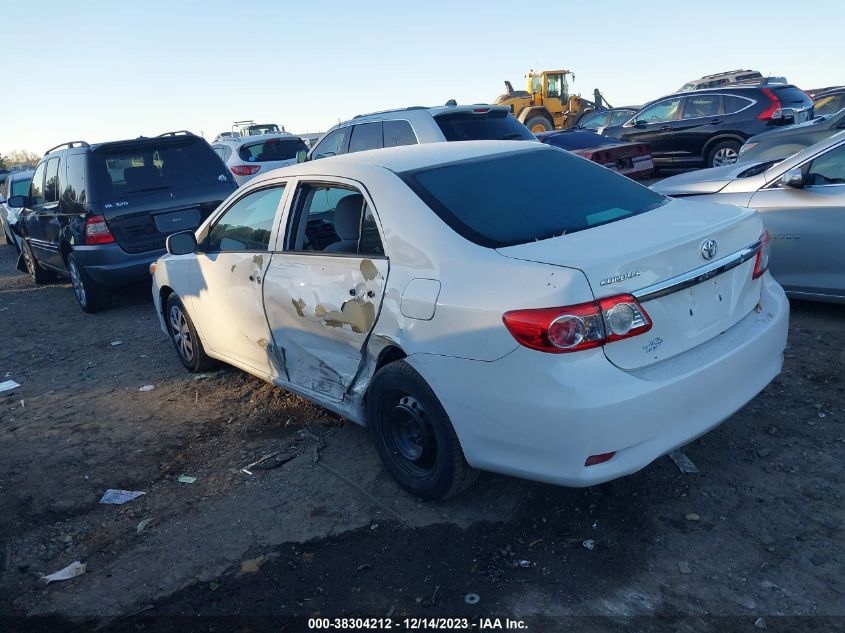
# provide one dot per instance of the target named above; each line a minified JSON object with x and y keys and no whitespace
{"x":388,"y":355}
{"x":164,"y":292}
{"x":536,"y":111}
{"x":714,"y":141}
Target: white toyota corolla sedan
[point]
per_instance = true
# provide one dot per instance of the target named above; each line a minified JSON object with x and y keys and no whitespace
{"x":504,"y":306}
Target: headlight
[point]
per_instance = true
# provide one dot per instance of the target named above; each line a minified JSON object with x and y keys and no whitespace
{"x":746,"y":147}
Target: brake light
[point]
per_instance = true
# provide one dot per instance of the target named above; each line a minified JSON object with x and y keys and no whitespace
{"x":97,"y":231}
{"x":761,"y":264}
{"x":774,"y":106}
{"x":578,"y":327}
{"x":245,"y":170}
{"x":481,"y":110}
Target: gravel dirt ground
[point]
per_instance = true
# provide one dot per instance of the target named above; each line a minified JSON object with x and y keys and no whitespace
{"x":320,"y":529}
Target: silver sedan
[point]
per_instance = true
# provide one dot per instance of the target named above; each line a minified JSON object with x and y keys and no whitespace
{"x":802,"y":201}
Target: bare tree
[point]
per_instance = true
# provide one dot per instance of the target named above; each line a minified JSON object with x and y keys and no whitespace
{"x":21,"y":157}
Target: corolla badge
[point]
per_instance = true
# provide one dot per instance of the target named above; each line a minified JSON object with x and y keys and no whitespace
{"x":709,"y":249}
{"x":617,"y":278}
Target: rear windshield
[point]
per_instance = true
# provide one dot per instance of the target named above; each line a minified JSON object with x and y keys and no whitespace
{"x":576,"y":140}
{"x":155,"y":166}
{"x":272,"y":149}
{"x":524,"y":196}
{"x":791,"y":96}
{"x":495,"y":125}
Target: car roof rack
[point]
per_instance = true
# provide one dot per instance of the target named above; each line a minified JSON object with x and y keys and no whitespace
{"x":178,"y":133}
{"x":358,"y":116}
{"x":69,"y":145}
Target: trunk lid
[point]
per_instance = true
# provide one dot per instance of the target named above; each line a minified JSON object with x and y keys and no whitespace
{"x":654,"y":248}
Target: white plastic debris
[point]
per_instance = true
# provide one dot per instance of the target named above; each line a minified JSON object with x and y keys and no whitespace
{"x":71,"y":571}
{"x":144,"y":524}
{"x":185,"y":479}
{"x":472,"y":598}
{"x":589,"y":543}
{"x":684,"y":463}
{"x":119,"y":497}
{"x":8,"y":385}
{"x":116,"y":343}
{"x":147,"y":388}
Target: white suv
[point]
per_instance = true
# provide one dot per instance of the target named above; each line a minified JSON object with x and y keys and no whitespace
{"x":418,"y":124}
{"x":248,"y":155}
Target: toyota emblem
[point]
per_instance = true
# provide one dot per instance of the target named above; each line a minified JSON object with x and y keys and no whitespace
{"x":709,"y":249}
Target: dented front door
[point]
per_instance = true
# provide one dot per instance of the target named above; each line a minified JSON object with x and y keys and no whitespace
{"x":323,"y":289}
{"x":227,"y":282}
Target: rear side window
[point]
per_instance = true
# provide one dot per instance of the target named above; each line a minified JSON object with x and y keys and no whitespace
{"x":51,"y":181}
{"x":492,"y":125}
{"x":524,"y":196}
{"x":702,"y":106}
{"x":595,"y":120}
{"x":154,"y":165}
{"x":366,"y":136}
{"x":398,"y":133}
{"x":735,"y":104}
{"x":618,"y":118}
{"x":271,"y":149}
{"x":75,"y":184}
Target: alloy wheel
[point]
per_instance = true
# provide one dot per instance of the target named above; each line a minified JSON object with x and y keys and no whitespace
{"x":725,"y":156}
{"x":76,"y":282}
{"x":29,"y":261}
{"x":181,"y":334}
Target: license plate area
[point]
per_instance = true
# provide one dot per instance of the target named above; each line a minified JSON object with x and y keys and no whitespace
{"x":182,"y":220}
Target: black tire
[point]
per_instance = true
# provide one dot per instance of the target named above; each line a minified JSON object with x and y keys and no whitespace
{"x":539,"y":124}
{"x":91,"y":297}
{"x":184,"y":336}
{"x":723,"y":153}
{"x":413,"y":434}
{"x":33,"y":268}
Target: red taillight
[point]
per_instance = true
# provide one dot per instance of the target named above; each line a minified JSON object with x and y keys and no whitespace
{"x":245,"y":170}
{"x":773,"y":106}
{"x":97,"y":231}
{"x":481,"y":110}
{"x":578,"y":327}
{"x":601,"y":458}
{"x":761,"y":264}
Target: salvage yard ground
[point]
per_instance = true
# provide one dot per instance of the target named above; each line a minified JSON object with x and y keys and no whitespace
{"x":321,"y":528}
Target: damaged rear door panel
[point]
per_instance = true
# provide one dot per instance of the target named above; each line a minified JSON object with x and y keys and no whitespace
{"x":324,"y":286}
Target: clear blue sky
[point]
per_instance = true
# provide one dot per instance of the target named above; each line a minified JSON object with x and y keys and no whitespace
{"x":102,"y":70}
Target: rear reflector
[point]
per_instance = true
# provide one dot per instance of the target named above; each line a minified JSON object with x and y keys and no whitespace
{"x":97,"y":231}
{"x":601,"y":458}
{"x":245,"y":170}
{"x":578,"y":327}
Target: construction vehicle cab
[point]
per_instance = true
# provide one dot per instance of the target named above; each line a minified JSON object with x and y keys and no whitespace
{"x":546,"y":105}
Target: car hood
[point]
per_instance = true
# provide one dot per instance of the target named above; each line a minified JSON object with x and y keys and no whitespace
{"x":702,"y":181}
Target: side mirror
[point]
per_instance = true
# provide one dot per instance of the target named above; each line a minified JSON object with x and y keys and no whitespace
{"x":793,"y":178}
{"x":638,"y":123}
{"x":301,"y":156}
{"x":17,"y":202}
{"x":183,"y":243}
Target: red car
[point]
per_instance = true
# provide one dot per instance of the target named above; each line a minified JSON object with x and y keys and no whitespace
{"x":629,"y":159}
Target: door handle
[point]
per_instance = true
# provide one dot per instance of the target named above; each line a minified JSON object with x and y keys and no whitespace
{"x":715,"y":121}
{"x":666,"y":128}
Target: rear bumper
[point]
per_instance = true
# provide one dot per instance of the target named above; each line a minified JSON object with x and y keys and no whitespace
{"x":540,"y":416}
{"x":112,"y":267}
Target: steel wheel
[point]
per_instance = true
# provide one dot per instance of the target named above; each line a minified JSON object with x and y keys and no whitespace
{"x":76,"y":282}
{"x":410,"y":437}
{"x":725,"y":156}
{"x":181,"y":334}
